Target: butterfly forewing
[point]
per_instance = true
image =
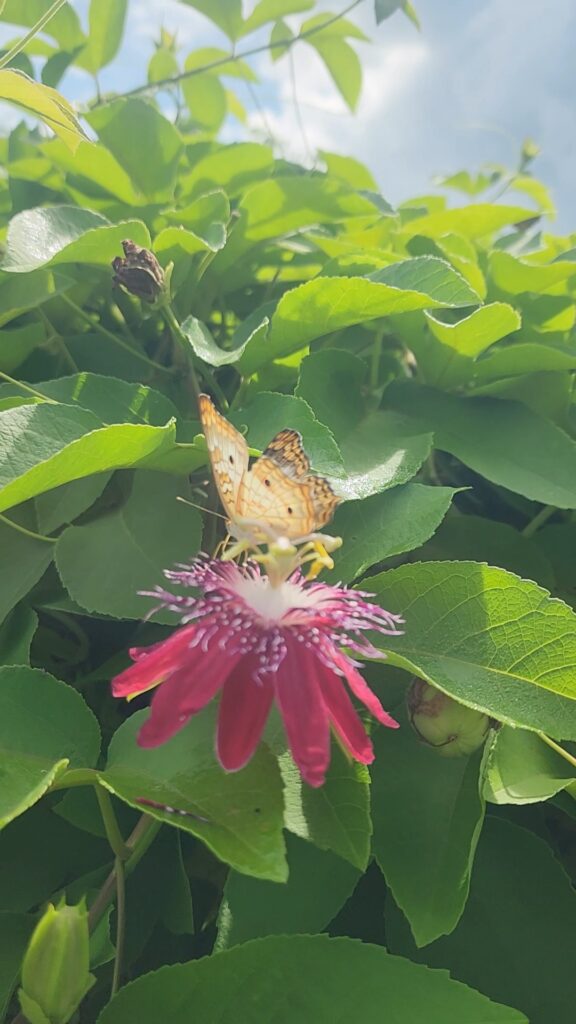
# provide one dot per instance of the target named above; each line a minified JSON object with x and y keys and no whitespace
{"x":228,"y":454}
{"x":285,"y":449}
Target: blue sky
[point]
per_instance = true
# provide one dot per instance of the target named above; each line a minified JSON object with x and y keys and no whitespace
{"x":479,"y":77}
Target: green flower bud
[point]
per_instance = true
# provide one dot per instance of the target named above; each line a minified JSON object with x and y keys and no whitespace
{"x":55,"y":970}
{"x":453,"y":729}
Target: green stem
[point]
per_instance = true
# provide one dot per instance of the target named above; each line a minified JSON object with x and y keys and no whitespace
{"x":286,"y":44}
{"x":27,"y":533}
{"x":97,"y":326}
{"x":539,"y":519}
{"x":138,"y":843}
{"x":22,"y":43}
{"x":120,"y":923}
{"x":26,"y":388}
{"x":375,"y":360}
{"x":75,"y":777}
{"x":193,"y":361}
{"x":559,"y":750}
{"x":113,"y":833}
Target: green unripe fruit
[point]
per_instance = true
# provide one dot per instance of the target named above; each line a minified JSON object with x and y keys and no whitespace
{"x":453,"y":729}
{"x":55,"y":970}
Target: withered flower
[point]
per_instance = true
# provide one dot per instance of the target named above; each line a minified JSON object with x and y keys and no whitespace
{"x":138,"y":272}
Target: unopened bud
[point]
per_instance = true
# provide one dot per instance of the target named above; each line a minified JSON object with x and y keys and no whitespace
{"x":453,"y":729}
{"x":139,"y":272}
{"x":55,"y":970}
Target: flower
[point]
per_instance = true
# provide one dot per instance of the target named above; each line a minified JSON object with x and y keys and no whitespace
{"x":261,"y":643}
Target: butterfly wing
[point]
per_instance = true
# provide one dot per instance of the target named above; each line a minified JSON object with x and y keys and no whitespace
{"x":285,"y":449}
{"x":228,"y":453}
{"x":292,"y":507}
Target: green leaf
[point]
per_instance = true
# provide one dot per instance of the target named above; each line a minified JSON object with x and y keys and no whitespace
{"x":205,"y":346}
{"x":43,"y":102}
{"x":44,"y":727}
{"x":64,"y":27}
{"x":94,"y":164}
{"x":253,"y":908}
{"x":106,"y":562}
{"x":385,"y":525}
{"x":63,"y":504}
{"x":312,"y":979}
{"x":205,"y":98}
{"x":336,"y":816}
{"x":269,"y":413}
{"x":162,"y":64}
{"x":207,"y":217}
{"x":517,"y":925}
{"x":106,"y":27}
{"x":468,"y":538}
{"x":504,"y":441}
{"x":16,"y":634}
{"x":232,"y":168}
{"x":17,"y":344}
{"x":522,"y":769}
{"x":226,"y":14}
{"x":24,"y":561}
{"x":269,"y":10}
{"x":280,"y":38}
{"x":57,"y":444}
{"x":524,"y":358}
{"x":476,"y":221}
{"x":515,"y":276}
{"x":342,"y":63}
{"x":15,"y":931}
{"x":349,"y":169}
{"x":461,"y":342}
{"x":427,"y":869}
{"x":143,"y":142}
{"x":328,"y":304}
{"x":494,"y":642}
{"x":110,"y":399}
{"x":65,"y":234}
{"x":244,"y":809}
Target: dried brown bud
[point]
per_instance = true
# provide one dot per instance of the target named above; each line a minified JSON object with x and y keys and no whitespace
{"x":139,"y":272}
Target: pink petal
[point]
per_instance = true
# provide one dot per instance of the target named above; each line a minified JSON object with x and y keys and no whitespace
{"x":153,"y":663}
{"x":303,"y":710}
{"x":244,"y":708}
{"x":344,"y":718}
{"x":185,"y":693}
{"x":362,"y":691}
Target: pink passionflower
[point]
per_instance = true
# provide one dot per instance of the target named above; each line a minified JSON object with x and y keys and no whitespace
{"x":260,"y":643}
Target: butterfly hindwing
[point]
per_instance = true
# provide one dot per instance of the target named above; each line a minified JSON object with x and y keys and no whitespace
{"x":286,"y":450}
{"x":228,"y":454}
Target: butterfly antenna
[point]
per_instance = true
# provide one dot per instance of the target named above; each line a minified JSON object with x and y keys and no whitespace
{"x":202,"y":508}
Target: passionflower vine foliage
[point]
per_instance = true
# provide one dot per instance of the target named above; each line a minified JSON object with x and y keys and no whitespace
{"x":259,"y":641}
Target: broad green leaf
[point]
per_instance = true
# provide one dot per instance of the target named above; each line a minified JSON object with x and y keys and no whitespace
{"x":57,"y":444}
{"x":269,"y":413}
{"x":336,"y":816}
{"x":105,"y":563}
{"x":207,"y":217}
{"x":64,"y":26}
{"x":143,"y":142}
{"x":428,"y":813}
{"x":15,"y":931}
{"x":24,"y":560}
{"x":463,"y":181}
{"x":228,"y":64}
{"x":494,"y":642}
{"x":106,"y":27}
{"x":65,"y":234}
{"x":226,"y":14}
{"x":475,"y":221}
{"x":205,"y":98}
{"x":43,"y":102}
{"x":536,"y":191}
{"x":342,"y":63}
{"x":162,"y":64}
{"x":328,"y":304}
{"x":19,"y":295}
{"x":331,"y":381}
{"x":205,"y":346}
{"x":232,"y":168}
{"x":312,"y":979}
{"x":280,"y":39}
{"x":44,"y":727}
{"x":244,"y":809}
{"x":170,"y":240}
{"x":338,"y":27}
{"x":461,"y":342}
{"x":94,"y":164}
{"x":504,"y":441}
{"x":349,"y":169}
{"x":515,"y":276}
{"x":523,"y":358}
{"x":281,"y":205}
{"x":63,"y":504}
{"x":515,"y":930}
{"x":558,"y":544}
{"x":110,"y":399}
{"x":269,"y":10}
{"x":16,"y":634}
{"x":253,"y":908}
{"x":467,"y":538}
{"x":523,"y":769}
{"x":17,"y":344}
{"x":384,"y":8}
{"x":385,"y":525}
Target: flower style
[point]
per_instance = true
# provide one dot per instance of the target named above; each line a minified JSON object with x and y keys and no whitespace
{"x":259,"y":643}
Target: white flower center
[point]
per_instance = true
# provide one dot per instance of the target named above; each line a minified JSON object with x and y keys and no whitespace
{"x":270,"y":603}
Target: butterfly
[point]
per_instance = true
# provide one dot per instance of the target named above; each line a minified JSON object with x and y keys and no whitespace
{"x":278,"y":496}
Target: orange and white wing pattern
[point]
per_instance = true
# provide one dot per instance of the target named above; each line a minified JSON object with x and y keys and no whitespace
{"x":285,"y":449}
{"x":228,"y":453}
{"x":294,"y":508}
